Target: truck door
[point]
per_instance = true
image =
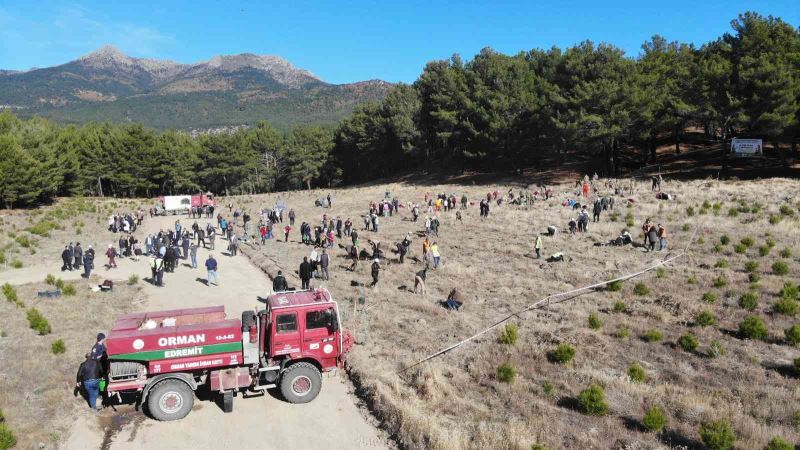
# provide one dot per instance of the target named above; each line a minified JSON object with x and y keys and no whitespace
{"x":319,"y":335}
{"x":287,"y":334}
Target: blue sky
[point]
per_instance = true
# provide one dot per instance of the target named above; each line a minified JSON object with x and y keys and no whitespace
{"x":345,"y":41}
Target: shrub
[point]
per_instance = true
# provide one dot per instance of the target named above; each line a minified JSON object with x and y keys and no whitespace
{"x":661,"y":272}
{"x":740,"y":248}
{"x":724,"y":239}
{"x":751,"y":266}
{"x":790,"y":291}
{"x":58,"y":347}
{"x":764,"y":250}
{"x":17,"y":264}
{"x":652,"y":336}
{"x":705,"y":319}
{"x":715,"y":349}
{"x":690,"y":211}
{"x":562,"y":354}
{"x":778,"y":443}
{"x":592,"y":401}
{"x":748,"y":301}
{"x":722,"y":264}
{"x":786,"y":210}
{"x":733,"y":212}
{"x":786,"y":252}
{"x":686,"y":227}
{"x":133,"y":279}
{"x":10,"y":293}
{"x":641,"y":289}
{"x":654,"y":419}
{"x":710,"y":297}
{"x":770,"y":242}
{"x":50,"y":279}
{"x":747,"y":241}
{"x":59,"y":283}
{"x":753,"y":327}
{"x":720,"y":281}
{"x":716,"y":248}
{"x":753,"y":277}
{"x":38,"y":322}
{"x":637,"y":373}
{"x":510,"y":334}
{"x":792,"y":335}
{"x":623,"y":333}
{"x":548,"y":389}
{"x":68,"y":290}
{"x":594,"y":322}
{"x":717,"y":435}
{"x":688,"y":342}
{"x":775,"y":219}
{"x":780,"y":268}
{"x":785,"y":306}
{"x":614,"y":286}
{"x":506,"y":373}
{"x":7,"y":438}
{"x":692,"y":279}
{"x":620,"y":306}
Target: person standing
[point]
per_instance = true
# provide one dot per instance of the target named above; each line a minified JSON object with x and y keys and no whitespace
{"x":376,"y":270}
{"x":662,"y":238}
{"x":305,"y":273}
{"x":211,"y":267}
{"x":323,"y":264}
{"x":436,"y":256}
{"x":89,"y":375}
{"x":88,"y":263}
{"x":77,"y":253}
{"x":212,"y":234}
{"x":291,"y":216}
{"x":286,"y":230}
{"x":538,"y":246}
{"x":111,"y":253}
{"x":193,"y":254}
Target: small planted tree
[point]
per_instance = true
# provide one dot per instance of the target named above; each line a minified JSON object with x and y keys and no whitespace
{"x":510,"y":334}
{"x":637,"y":373}
{"x":688,"y":342}
{"x":58,"y":347}
{"x":717,"y":435}
{"x":652,"y":336}
{"x":753,"y":327}
{"x":778,"y":443}
{"x":780,"y":268}
{"x":38,"y":322}
{"x":562,"y":354}
{"x":792,"y":335}
{"x":592,"y":401}
{"x":620,"y":307}
{"x":641,"y":289}
{"x":710,"y":297}
{"x":724,"y":239}
{"x":594,"y":321}
{"x":705,"y":319}
{"x":506,"y":373}
{"x":654,"y":419}
{"x":748,"y":301}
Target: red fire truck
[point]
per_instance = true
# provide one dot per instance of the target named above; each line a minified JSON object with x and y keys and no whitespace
{"x":163,"y":356}
{"x":178,"y":204}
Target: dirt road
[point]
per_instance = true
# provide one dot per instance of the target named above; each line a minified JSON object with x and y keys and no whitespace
{"x":331,"y":421}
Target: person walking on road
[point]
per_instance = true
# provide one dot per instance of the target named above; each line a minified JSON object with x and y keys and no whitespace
{"x":211,"y":266}
{"x":305,"y":273}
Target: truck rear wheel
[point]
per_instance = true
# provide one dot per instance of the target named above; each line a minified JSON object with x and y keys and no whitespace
{"x":301,"y":383}
{"x":170,"y":400}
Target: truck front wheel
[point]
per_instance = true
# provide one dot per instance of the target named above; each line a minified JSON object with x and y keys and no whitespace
{"x":301,"y":383}
{"x":170,"y":400}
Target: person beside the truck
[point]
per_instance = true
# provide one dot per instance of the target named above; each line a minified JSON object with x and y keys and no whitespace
{"x":279,"y":283}
{"x":305,"y":273}
{"x":211,"y":267}
{"x":89,"y":375}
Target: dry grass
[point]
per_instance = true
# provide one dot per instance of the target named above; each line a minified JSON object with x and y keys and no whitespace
{"x":37,"y":385}
{"x":456,"y":401}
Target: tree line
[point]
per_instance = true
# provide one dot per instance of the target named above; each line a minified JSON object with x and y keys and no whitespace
{"x":495,"y":111}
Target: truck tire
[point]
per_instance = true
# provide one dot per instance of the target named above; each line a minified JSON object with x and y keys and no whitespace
{"x":301,"y":383}
{"x":170,"y":400}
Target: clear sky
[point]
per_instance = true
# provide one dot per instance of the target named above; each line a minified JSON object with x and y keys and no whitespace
{"x":344,"y":41}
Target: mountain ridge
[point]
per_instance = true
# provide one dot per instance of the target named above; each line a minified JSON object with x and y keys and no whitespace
{"x":224,"y":90}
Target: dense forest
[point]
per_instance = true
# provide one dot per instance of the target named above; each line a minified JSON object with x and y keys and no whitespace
{"x":493,"y":112}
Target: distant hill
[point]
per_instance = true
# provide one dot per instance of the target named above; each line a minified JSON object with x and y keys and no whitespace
{"x":107,"y":85}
